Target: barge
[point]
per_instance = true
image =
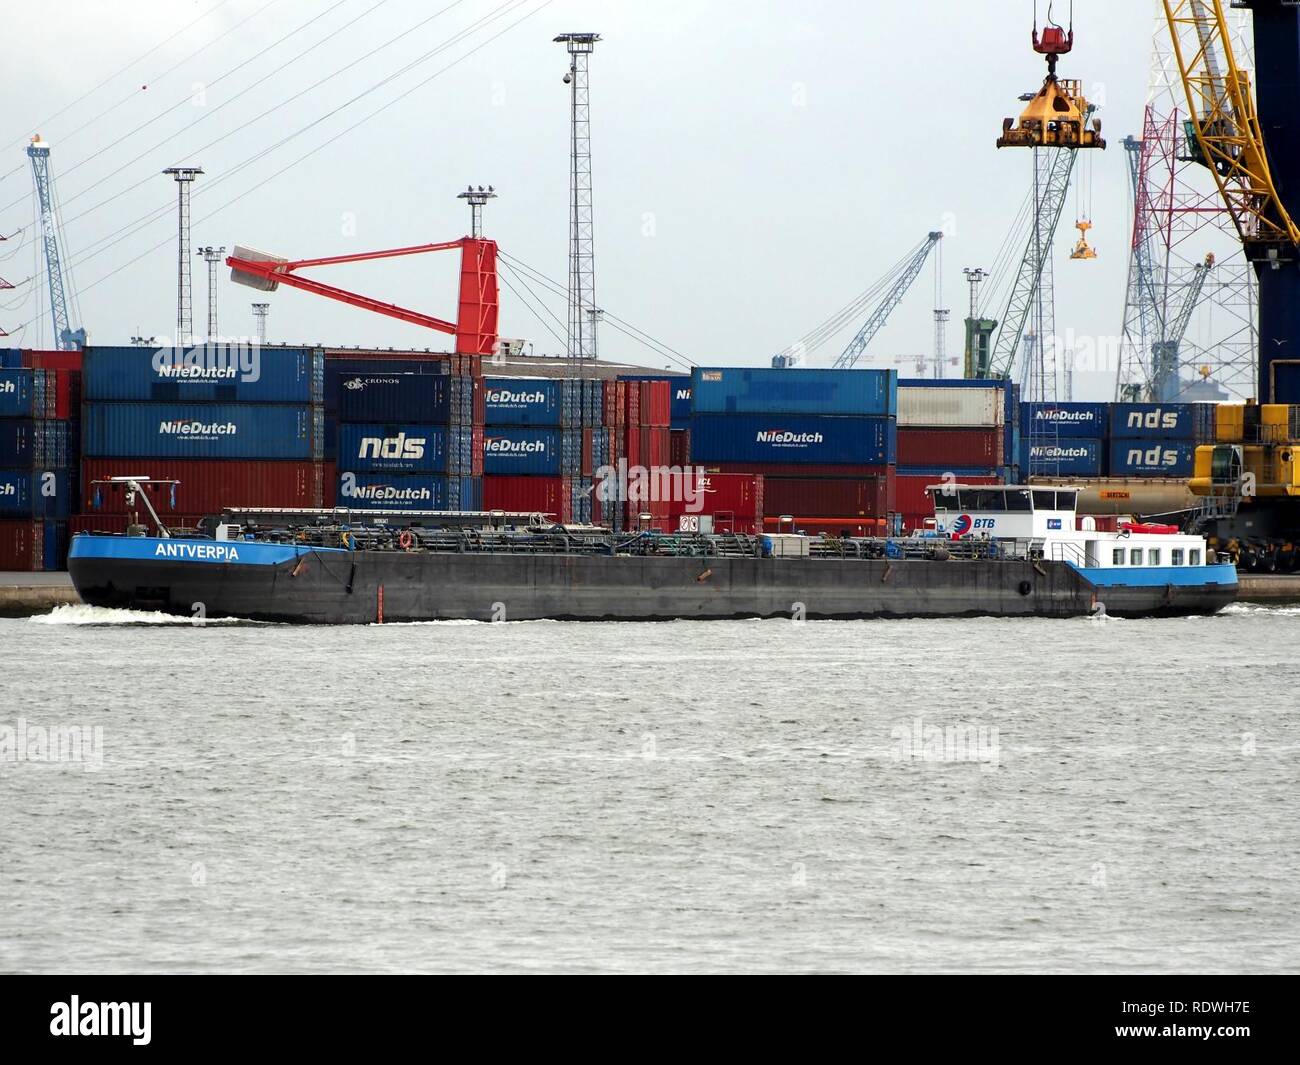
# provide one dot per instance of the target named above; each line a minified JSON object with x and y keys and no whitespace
{"x":1004,"y":551}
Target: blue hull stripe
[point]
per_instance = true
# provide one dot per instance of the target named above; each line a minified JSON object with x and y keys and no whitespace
{"x":1160,"y":576}
{"x":200,"y":552}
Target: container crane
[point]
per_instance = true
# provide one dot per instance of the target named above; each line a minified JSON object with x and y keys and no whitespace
{"x":1249,"y":170}
{"x":475,"y":328}
{"x":1057,"y":123}
{"x":882,"y":298}
{"x":893,"y":297}
{"x":65,"y":337}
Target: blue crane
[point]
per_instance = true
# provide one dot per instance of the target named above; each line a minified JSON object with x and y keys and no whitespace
{"x":65,"y":337}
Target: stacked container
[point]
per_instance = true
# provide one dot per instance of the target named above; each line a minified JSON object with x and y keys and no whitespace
{"x":238,"y":427}
{"x":409,"y":437}
{"x":1156,"y":439}
{"x":37,"y":481}
{"x":824,"y":441}
{"x":956,"y":430}
{"x":532,"y":444}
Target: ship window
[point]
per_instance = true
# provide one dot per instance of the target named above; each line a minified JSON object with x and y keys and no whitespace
{"x":1194,"y":557}
{"x":1044,"y":500}
{"x":1153,"y":556}
{"x":944,"y":500}
{"x":1175,"y":556}
{"x":1135,"y":557}
{"x":1017,"y":501}
{"x":981,"y":499}
{"x":1117,"y":557}
{"x":1066,"y":500}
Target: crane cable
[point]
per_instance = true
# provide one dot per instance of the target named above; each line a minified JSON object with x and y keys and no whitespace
{"x":324,"y":144}
{"x":182,"y":62}
{"x":207,"y":112}
{"x":111,"y":239}
{"x":121,"y":70}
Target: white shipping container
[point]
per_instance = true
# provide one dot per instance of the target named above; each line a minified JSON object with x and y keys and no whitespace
{"x":950,"y":407}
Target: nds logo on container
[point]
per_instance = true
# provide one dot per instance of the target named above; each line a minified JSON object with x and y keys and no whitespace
{"x":785,"y":438}
{"x":1151,"y":419}
{"x":1151,"y":456}
{"x":496,"y":445}
{"x":392,"y":447}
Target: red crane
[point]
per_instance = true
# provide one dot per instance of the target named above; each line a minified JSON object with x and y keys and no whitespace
{"x":475,"y":327}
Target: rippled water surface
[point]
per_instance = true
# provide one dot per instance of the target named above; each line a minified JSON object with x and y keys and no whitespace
{"x":744,"y":796}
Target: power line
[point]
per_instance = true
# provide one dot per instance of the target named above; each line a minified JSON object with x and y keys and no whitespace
{"x":460,"y":59}
{"x":139,"y":59}
{"x":134,"y":226}
{"x":207,"y":111}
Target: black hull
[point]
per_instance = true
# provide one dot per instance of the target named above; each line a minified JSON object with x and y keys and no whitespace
{"x":334,"y":587}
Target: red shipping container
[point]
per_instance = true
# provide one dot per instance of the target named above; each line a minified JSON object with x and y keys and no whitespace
{"x":632,"y":445}
{"x":206,"y":485}
{"x":679,"y":447}
{"x":586,"y":451}
{"x":52,"y":360}
{"x":741,"y":494}
{"x":949,"y":448}
{"x":633,"y":407}
{"x":867,"y":497}
{"x":620,"y":404}
{"x":22,"y":545}
{"x":911,"y":498}
{"x":541,"y":495}
{"x":794,"y":469}
{"x":476,"y":456}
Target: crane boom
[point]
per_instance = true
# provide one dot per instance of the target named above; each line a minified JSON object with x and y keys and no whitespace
{"x":65,"y":337}
{"x":1227,"y":127}
{"x":849,"y":357}
{"x":1029,"y":275}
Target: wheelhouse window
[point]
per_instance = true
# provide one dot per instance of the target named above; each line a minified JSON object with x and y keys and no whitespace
{"x":1017,"y":501}
{"x":1194,"y":557}
{"x":1153,"y":556}
{"x":1176,"y":556}
{"x":1135,"y":556}
{"x":945,"y":500}
{"x":1117,"y":556}
{"x":1044,"y":500}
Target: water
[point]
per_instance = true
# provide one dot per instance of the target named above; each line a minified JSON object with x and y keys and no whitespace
{"x":677,"y":797}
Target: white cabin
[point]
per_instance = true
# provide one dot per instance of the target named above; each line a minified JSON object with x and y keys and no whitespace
{"x":1043,"y":520}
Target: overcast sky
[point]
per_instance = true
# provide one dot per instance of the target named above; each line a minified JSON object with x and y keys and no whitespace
{"x":756,"y":162}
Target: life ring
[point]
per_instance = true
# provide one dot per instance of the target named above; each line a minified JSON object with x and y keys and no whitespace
{"x":405,"y":540}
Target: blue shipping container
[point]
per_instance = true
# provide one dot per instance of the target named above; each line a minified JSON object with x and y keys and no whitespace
{"x":393,"y":491}
{"x":22,"y":394}
{"x":217,"y":374}
{"x":681,"y":394}
{"x":22,"y":442}
{"x":521,"y":401}
{"x":1151,"y":421}
{"x":841,"y":392}
{"x":202,"y":430}
{"x":406,"y":447}
{"x":790,"y":438}
{"x":1152,"y":458}
{"x":336,"y":370}
{"x":521,"y":451}
{"x":1072,"y":420}
{"x":406,"y":397}
{"x":35,"y":494}
{"x":1069,"y":458}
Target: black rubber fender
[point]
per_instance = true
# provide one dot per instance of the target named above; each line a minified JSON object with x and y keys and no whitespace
{"x":1025,"y":588}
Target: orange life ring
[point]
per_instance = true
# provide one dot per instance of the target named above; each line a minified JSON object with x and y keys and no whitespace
{"x":405,"y":540}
